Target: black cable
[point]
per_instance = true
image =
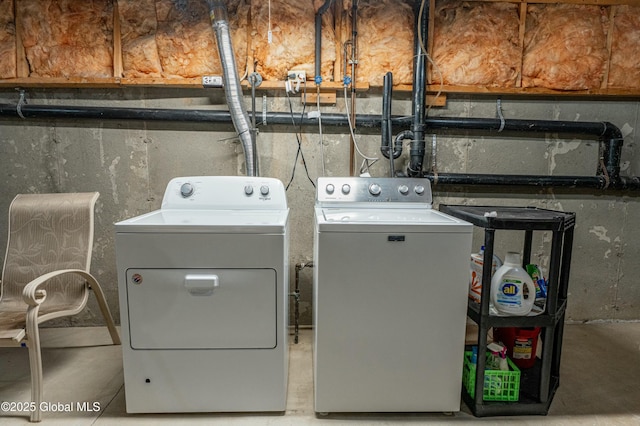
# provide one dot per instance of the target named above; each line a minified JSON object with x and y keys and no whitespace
{"x":299,"y":152}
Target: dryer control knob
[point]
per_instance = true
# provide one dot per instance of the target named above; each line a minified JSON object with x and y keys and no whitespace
{"x":330,"y":188}
{"x":419,"y":189}
{"x":187,"y":190}
{"x":248,"y":189}
{"x":374,"y":189}
{"x":264,"y":190}
{"x":404,"y":189}
{"x":346,"y":188}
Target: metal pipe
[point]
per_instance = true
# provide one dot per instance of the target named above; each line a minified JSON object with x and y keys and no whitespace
{"x":296,"y":296}
{"x":232,"y":87}
{"x":417,"y":146}
{"x":354,"y":63}
{"x":319,"y":13}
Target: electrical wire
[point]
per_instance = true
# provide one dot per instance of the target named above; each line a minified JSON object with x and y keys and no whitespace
{"x":298,"y":133}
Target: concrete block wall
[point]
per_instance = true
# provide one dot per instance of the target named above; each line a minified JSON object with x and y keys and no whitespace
{"x":131,"y":162}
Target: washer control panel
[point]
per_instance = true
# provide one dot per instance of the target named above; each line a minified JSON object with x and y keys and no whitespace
{"x":220,"y":192}
{"x":368,"y":189}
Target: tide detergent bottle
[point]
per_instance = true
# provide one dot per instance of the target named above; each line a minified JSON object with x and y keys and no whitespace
{"x":508,"y":288}
{"x":475,"y":280}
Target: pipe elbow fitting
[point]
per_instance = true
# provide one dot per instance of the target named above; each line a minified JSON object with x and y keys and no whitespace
{"x":611,"y":131}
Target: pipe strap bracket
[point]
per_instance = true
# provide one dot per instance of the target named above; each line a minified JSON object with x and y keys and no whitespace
{"x":21,"y":101}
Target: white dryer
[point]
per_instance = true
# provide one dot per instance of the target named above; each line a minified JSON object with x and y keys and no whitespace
{"x":390,"y":297}
{"x":203,"y":286}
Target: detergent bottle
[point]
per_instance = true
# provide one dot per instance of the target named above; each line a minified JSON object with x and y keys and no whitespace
{"x":475,"y":280}
{"x":508,"y":288}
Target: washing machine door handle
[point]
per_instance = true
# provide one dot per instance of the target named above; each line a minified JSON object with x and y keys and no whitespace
{"x":201,"y":284}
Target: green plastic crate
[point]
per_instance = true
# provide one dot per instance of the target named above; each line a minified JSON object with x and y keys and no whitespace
{"x":498,"y":385}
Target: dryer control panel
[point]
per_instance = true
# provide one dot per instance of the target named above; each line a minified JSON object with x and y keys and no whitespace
{"x":225,"y":192}
{"x":373,"y":190}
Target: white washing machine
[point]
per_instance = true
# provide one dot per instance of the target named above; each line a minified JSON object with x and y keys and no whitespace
{"x":390,"y":298}
{"x":203,"y":286}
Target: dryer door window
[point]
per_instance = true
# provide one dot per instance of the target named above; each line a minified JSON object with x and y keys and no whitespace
{"x":202,"y":308}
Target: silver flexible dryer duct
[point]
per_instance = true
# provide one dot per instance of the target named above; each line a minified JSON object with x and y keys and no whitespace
{"x":232,"y":88}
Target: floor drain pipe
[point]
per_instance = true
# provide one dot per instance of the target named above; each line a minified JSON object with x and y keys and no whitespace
{"x":232,"y":88}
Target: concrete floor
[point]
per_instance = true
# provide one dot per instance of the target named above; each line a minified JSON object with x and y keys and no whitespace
{"x":600,"y":384}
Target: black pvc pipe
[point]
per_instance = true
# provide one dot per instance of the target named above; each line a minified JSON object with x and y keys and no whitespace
{"x":175,"y":115}
{"x":611,"y":154}
{"x":598,"y":130}
{"x":386,"y":124}
{"x":321,"y":11}
{"x":112,"y":113}
{"x":400,"y":137}
{"x":606,"y":132}
{"x":417,"y":146}
{"x":601,"y":129}
{"x":596,"y":182}
{"x":535,"y":181}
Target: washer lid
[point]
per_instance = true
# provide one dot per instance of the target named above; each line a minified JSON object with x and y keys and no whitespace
{"x":384,"y":219}
{"x":208,"y":221}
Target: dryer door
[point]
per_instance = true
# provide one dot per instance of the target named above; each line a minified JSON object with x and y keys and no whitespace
{"x":202,"y":308}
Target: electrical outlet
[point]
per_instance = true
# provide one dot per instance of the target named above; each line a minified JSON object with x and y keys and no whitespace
{"x":297,"y":76}
{"x":294,"y":79}
{"x":212,"y":81}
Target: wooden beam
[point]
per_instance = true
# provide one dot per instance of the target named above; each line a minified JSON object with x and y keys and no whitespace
{"x":523,"y":23}
{"x":430,"y":35}
{"x":437,"y":100}
{"x":22,"y":66}
{"x":585,"y":2}
{"x":338,"y":24}
{"x":605,"y":76}
{"x":326,"y":98}
{"x":118,"y":68}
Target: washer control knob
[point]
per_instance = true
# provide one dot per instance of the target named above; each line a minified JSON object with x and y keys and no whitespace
{"x":374,"y":189}
{"x":264,"y":190}
{"x":346,"y":188}
{"x":419,"y":189}
{"x":330,"y":188}
{"x":187,"y":190}
{"x":403,"y":189}
{"x":248,"y":189}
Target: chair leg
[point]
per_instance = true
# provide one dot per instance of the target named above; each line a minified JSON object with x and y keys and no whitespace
{"x":35,"y":361}
{"x":104,"y":308}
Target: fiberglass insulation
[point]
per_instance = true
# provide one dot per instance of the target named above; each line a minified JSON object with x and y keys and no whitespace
{"x":174,"y":39}
{"x":624,"y":71}
{"x":468,"y":49}
{"x":292,"y":47}
{"x":385,"y":40}
{"x":565,"y":46}
{"x":67,"y":38}
{"x":138,"y":27}
{"x":7,"y":40}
